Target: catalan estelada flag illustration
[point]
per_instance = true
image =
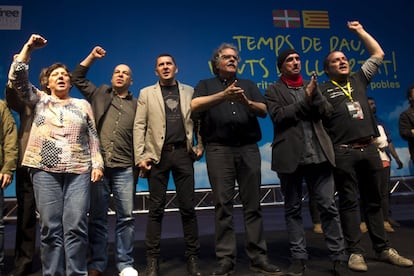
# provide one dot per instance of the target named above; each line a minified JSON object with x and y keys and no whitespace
{"x":315,"y":19}
{"x":286,"y":18}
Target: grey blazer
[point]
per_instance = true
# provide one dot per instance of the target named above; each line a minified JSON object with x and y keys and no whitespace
{"x":150,"y":122}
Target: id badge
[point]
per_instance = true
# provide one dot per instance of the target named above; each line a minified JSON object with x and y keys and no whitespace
{"x":355,"y":110}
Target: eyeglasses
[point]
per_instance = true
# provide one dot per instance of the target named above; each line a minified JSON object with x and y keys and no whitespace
{"x":227,"y":57}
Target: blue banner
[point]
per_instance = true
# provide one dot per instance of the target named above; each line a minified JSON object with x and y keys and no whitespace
{"x":135,"y":32}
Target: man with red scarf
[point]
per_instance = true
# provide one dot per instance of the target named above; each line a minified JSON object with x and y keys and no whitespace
{"x":302,"y":150}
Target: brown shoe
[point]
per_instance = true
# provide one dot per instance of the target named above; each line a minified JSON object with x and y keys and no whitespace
{"x":94,"y":272}
{"x":363,"y":227}
{"x":357,"y":262}
{"x":391,"y":255}
{"x":388,"y":228}
{"x":317,"y":228}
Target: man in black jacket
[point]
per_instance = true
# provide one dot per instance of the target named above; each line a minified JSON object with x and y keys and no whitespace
{"x":302,"y":150}
{"x":406,"y":123}
{"x":114,"y":109}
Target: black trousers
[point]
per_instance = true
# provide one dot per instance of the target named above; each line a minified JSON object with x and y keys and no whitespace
{"x":26,"y":223}
{"x":227,"y":165}
{"x":358,"y":175}
{"x":180,"y":164}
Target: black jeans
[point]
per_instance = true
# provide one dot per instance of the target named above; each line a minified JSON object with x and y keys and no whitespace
{"x":225,"y":166}
{"x":357,"y":174}
{"x":24,"y":251}
{"x":180,"y":164}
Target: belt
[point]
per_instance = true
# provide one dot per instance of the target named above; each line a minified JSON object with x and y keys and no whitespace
{"x":174,"y":146}
{"x":357,"y":145}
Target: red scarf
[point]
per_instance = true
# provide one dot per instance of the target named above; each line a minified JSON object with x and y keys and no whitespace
{"x":292,"y":81}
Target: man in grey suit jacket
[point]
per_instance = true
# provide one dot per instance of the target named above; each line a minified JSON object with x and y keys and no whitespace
{"x":302,"y":150}
{"x":163,"y":144}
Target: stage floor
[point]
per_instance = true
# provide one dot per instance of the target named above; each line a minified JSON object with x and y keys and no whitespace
{"x":172,"y":261}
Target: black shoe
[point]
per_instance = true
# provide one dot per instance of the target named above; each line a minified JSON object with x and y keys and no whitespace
{"x":20,"y":271}
{"x":266,"y":269}
{"x":152,"y":267}
{"x":192,"y":266}
{"x":393,"y":222}
{"x":340,"y":268}
{"x":225,"y":269}
{"x":297,"y":267}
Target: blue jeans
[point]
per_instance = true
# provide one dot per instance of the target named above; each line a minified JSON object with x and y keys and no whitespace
{"x":320,"y":181}
{"x":62,"y":200}
{"x":119,"y":182}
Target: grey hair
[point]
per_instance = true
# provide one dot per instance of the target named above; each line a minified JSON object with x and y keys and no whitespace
{"x":217,"y":54}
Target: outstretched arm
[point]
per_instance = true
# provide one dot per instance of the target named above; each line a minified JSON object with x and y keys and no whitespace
{"x":97,"y":53}
{"x":372,"y":46}
{"x":35,"y":42}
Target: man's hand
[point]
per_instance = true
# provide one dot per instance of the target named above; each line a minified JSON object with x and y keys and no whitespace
{"x":5,"y":179}
{"x":399,"y":164}
{"x":198,"y":152}
{"x":234,"y":92}
{"x":355,"y":26}
{"x":310,"y":88}
{"x":98,"y":52}
{"x":145,"y":167}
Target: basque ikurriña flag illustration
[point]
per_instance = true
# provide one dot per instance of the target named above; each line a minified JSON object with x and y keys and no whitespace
{"x":286,"y":18}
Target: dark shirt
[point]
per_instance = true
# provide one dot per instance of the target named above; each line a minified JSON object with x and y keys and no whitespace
{"x":341,"y":126}
{"x":405,"y":124}
{"x":312,"y":153}
{"x":229,"y":123}
{"x":175,"y":132}
{"x":116,"y":132}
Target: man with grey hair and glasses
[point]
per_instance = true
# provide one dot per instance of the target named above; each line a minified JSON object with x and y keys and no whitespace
{"x":227,"y":108}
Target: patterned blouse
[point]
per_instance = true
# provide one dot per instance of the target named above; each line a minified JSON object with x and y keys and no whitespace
{"x":63,"y":138}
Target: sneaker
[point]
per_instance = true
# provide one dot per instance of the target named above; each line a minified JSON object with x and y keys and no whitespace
{"x":128,"y":271}
{"x":296,"y":268}
{"x":391,"y":255}
{"x":317,"y":228}
{"x":388,"y":228}
{"x":356,"y":262}
{"x":363,"y":227}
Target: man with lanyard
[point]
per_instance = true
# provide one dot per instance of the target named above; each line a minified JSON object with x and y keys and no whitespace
{"x":352,"y":128}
